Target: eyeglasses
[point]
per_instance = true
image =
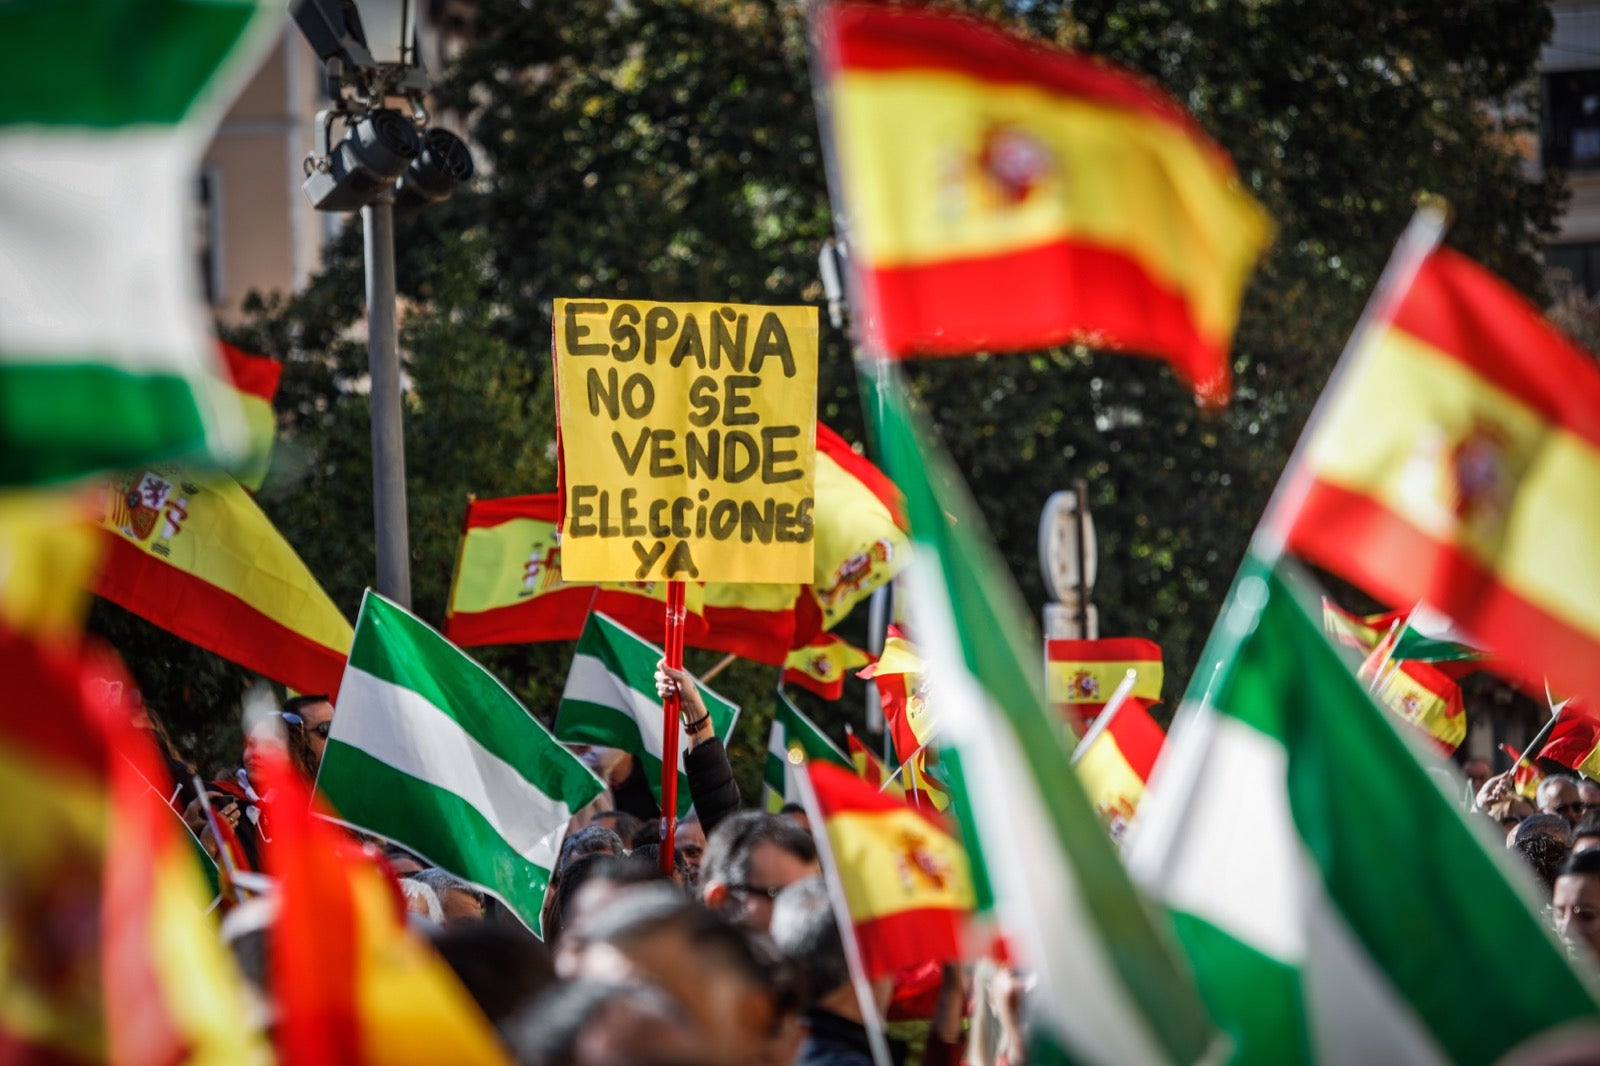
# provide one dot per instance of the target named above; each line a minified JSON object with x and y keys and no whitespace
{"x":757,"y":890}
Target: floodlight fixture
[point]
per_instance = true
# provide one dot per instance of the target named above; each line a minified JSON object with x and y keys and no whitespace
{"x":376,"y":150}
{"x":444,"y":165}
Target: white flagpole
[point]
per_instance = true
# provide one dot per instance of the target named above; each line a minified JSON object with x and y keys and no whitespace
{"x":841,"y":917}
{"x":1108,"y":712}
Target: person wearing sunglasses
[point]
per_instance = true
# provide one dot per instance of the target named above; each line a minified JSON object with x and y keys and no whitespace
{"x":1558,"y":794}
{"x":316,"y":713}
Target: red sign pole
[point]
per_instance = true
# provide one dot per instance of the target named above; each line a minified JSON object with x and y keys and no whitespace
{"x":671,"y":724}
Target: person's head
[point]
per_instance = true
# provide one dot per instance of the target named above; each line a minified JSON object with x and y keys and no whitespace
{"x":502,"y":967}
{"x":649,"y":857}
{"x":593,"y":839}
{"x":796,"y":814}
{"x":281,"y":736}
{"x":586,"y":885}
{"x":422,"y":900}
{"x":602,"y":1023}
{"x":1586,"y":834}
{"x":749,"y":859}
{"x":689,"y":840}
{"x":316,"y":714}
{"x":1576,"y":900}
{"x":1589,"y":793}
{"x":461,"y":902}
{"x":1476,"y":771}
{"x":1558,"y":794}
{"x":630,"y":830}
{"x":653,"y":933}
{"x":1508,"y":813}
{"x":1544,"y":840}
{"x":804,"y":929}
{"x":401,"y":861}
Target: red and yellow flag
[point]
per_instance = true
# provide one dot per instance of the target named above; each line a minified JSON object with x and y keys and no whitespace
{"x":870,"y":768}
{"x":1360,"y":631}
{"x":353,"y":985}
{"x":1574,"y":741}
{"x":197,"y":557}
{"x":255,"y":382}
{"x":905,"y":877}
{"x":862,"y":536}
{"x":821,"y":665}
{"x":1081,"y":675}
{"x":1116,"y":763}
{"x":1421,"y":694}
{"x":1459,"y":467}
{"x":508,"y":587}
{"x":1004,"y":196}
{"x":898,"y":675}
{"x":106,"y":951}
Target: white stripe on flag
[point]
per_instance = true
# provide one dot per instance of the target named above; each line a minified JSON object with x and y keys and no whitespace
{"x":94,"y":253}
{"x":590,"y":681}
{"x":417,"y":738}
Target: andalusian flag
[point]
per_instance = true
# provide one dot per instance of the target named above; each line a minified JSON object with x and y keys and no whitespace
{"x":353,"y":983}
{"x":430,"y":751}
{"x":197,"y":557}
{"x":508,"y":587}
{"x":1430,"y":637}
{"x":904,"y":874}
{"x":1319,"y":924}
{"x":793,"y":731}
{"x":821,"y":665}
{"x":1114,"y":762}
{"x":255,"y":382}
{"x":1111,"y":991}
{"x":1421,"y":695}
{"x":1004,"y":196}
{"x":1457,"y":467}
{"x":1575,"y":741}
{"x":105,"y":360}
{"x":611,"y":700}
{"x":1081,"y":675}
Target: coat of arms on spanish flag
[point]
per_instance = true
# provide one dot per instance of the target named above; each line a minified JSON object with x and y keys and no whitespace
{"x":1003,"y":196}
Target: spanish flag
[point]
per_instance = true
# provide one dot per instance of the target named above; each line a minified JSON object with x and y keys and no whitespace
{"x":197,"y":557}
{"x":1575,"y":741}
{"x":352,"y":983}
{"x":1459,"y":466}
{"x":870,"y":768}
{"x":1360,"y":631}
{"x":508,"y":587}
{"x":1115,"y":762}
{"x":255,"y":382}
{"x":1081,"y":675}
{"x":821,"y":665}
{"x":1420,"y":694}
{"x":905,"y":877}
{"x":105,"y":948}
{"x":48,"y":549}
{"x":1002,"y":195}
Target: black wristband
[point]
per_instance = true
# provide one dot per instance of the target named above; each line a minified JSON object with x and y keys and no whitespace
{"x":697,"y":723}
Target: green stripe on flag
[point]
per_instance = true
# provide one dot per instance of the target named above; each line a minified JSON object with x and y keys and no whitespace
{"x":429,"y":750}
{"x":1112,"y":987}
{"x":610,"y":700}
{"x":58,"y":420}
{"x":1291,"y":826}
{"x":109,"y":63}
{"x":792,"y":729}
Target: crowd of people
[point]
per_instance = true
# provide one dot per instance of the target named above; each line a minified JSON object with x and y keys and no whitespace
{"x":735,"y":958}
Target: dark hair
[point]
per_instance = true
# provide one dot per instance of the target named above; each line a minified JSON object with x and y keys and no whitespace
{"x":792,"y":808}
{"x":296,"y":704}
{"x":1581,"y":864}
{"x":502,"y":968}
{"x":804,"y":929}
{"x":547,"y":1033}
{"x":1542,"y":825}
{"x":727,"y":855}
{"x":648,"y":909}
{"x":590,"y":840}
{"x":649,"y":856}
{"x":1546,"y":855}
{"x":580,"y":871}
{"x":1588,"y":826}
{"x":631,"y":830}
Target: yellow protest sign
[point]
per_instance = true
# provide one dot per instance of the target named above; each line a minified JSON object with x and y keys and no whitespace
{"x":688,"y":440}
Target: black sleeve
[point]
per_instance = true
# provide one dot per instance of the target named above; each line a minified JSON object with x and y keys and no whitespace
{"x":711,"y":784}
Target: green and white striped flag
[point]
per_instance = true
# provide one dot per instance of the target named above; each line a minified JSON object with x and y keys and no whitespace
{"x":1336,"y":904}
{"x":105,"y":354}
{"x":430,"y":751}
{"x":1430,"y":637}
{"x":792,"y":729}
{"x":1113,"y":990}
{"x":611,"y":700}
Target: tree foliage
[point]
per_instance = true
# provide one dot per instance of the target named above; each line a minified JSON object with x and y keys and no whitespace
{"x":671,"y":151}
